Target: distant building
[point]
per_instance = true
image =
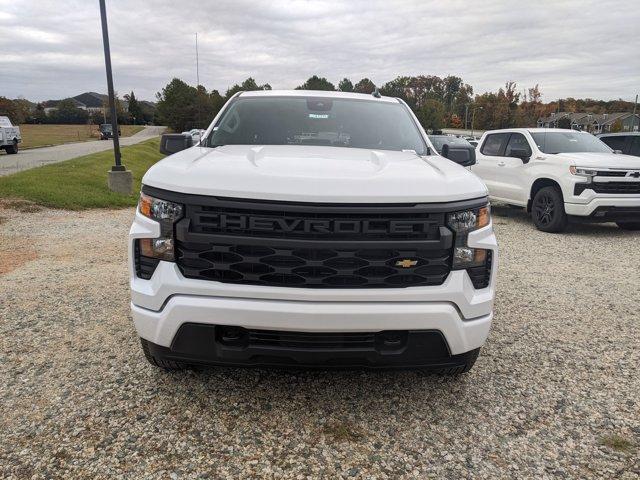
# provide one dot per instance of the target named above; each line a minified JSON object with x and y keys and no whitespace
{"x":593,"y":122}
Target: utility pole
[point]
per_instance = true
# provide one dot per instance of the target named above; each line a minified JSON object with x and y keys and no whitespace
{"x":633,"y":118}
{"x":198,"y":83}
{"x":120,"y":179}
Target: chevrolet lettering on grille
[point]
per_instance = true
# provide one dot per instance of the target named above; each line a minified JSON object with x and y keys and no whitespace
{"x":317,"y":226}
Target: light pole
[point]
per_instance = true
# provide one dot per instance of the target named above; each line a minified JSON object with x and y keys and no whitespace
{"x":120,"y":179}
{"x":466,"y":115}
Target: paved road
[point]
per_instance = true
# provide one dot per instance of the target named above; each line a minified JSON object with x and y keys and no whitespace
{"x":26,"y":159}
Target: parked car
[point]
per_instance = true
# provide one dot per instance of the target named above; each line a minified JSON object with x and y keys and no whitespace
{"x":312,"y":229}
{"x":627,"y":143}
{"x":196,"y":134}
{"x":106,"y":131}
{"x":560,"y":174}
{"x":10,"y":136}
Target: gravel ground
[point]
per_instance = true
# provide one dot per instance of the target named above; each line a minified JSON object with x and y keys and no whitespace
{"x":553,"y":395}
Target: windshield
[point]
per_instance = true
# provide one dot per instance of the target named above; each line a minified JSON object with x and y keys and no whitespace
{"x":335,"y":122}
{"x":568,"y":142}
{"x":106,"y":127}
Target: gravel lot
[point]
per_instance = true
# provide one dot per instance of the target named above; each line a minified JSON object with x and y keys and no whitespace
{"x":555,"y":392}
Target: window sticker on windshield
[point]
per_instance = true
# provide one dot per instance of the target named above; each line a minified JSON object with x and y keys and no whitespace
{"x":318,"y":115}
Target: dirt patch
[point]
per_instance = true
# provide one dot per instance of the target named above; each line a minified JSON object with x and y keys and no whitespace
{"x":24,"y":206}
{"x":16,"y":251}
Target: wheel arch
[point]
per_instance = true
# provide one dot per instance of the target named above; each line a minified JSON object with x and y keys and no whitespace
{"x":538,"y":184}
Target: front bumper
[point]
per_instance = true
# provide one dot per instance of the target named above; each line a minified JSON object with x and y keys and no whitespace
{"x":455,"y":310}
{"x":606,"y":208}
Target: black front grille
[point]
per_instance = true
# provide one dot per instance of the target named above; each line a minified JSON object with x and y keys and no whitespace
{"x":314,"y":245}
{"x":611,"y":173}
{"x":314,"y":267}
{"x":615,"y":188}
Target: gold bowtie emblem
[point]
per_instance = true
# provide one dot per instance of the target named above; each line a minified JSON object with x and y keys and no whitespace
{"x":406,"y":263}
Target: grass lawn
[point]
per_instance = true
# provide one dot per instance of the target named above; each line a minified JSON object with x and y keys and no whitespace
{"x":44,"y":135}
{"x":81,"y":183}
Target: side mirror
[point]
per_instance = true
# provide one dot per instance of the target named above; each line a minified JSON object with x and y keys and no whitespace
{"x":520,"y":153}
{"x":171,"y":143}
{"x":462,"y":155}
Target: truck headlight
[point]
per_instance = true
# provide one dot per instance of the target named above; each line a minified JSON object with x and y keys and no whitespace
{"x":166,"y":214}
{"x":583,"y":172}
{"x":462,"y":223}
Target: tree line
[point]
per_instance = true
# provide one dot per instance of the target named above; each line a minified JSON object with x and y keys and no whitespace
{"x":438,"y":102}
{"x":67,"y":112}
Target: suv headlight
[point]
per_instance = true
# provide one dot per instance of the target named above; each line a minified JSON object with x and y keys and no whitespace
{"x":166,"y":214}
{"x":462,"y":223}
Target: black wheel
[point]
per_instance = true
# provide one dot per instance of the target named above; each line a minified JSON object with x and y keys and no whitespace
{"x":472,"y":356}
{"x":13,"y":149}
{"x":629,"y":225}
{"x":159,"y":362}
{"x":547,"y":210}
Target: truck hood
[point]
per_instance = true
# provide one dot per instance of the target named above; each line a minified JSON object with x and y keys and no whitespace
{"x":314,"y":174}
{"x":602,"y":160}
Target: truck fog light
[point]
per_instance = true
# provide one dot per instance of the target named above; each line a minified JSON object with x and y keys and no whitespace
{"x":469,"y":257}
{"x":161,"y":248}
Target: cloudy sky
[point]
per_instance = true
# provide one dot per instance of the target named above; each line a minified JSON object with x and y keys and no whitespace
{"x":53,"y":49}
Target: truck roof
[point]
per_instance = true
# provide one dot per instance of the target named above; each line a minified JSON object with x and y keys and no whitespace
{"x":533,"y":130}
{"x":317,"y":93}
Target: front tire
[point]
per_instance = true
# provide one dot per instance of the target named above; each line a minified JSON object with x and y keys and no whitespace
{"x":629,"y":225}
{"x":547,"y":210}
{"x":168,"y":365}
{"x":12,"y":149}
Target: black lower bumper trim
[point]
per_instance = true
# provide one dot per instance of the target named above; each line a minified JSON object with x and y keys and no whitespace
{"x":613,"y":214}
{"x":235,"y":346}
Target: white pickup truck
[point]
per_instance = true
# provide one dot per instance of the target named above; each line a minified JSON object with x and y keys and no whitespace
{"x":312,"y":229}
{"x":9,"y":136}
{"x":560,"y":174}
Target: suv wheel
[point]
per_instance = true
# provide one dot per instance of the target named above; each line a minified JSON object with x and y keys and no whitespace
{"x":547,"y":210}
{"x":159,"y":362}
{"x":629,"y":225}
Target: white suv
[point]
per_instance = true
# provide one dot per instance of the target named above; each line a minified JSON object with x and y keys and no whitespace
{"x":559,"y":174}
{"x":312,"y":229}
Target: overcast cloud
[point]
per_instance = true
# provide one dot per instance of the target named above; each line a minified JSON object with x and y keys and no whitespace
{"x":53,"y":49}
